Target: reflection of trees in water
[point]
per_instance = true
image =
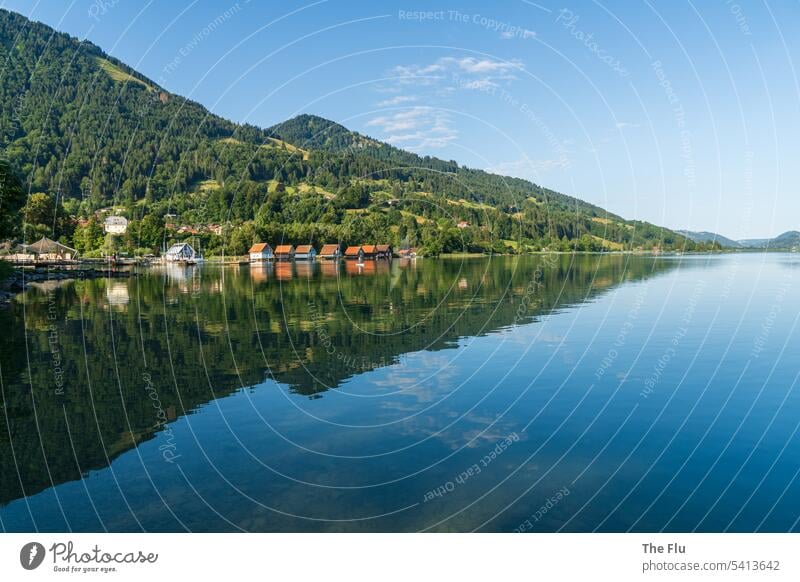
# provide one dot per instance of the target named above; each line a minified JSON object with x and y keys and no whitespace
{"x":310,"y":328}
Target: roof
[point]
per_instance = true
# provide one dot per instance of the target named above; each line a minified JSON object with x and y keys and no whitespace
{"x":302,"y":249}
{"x":284,"y":249}
{"x":48,"y":246}
{"x":383,"y":248}
{"x":329,"y":249}
{"x":368,"y":249}
{"x":259,"y":247}
{"x":352,"y":250}
{"x":178,"y":246}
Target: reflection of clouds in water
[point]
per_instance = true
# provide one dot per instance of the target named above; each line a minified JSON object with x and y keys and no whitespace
{"x":426,"y":377}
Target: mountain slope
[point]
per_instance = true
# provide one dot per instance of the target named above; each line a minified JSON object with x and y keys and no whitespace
{"x":94,"y":133}
{"x":786,"y":241}
{"x":704,"y":237}
{"x":311,"y":131}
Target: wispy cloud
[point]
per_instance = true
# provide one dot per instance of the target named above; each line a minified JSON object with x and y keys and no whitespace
{"x":529,"y":168}
{"x":398,"y":100}
{"x":419,"y":127}
{"x":467,"y":72}
{"x":415,"y":128}
{"x":517,"y":33}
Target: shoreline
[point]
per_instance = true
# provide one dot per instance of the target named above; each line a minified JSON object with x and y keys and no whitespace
{"x":20,"y":279}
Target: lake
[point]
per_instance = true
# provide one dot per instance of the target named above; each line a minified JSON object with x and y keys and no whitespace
{"x":539,"y":393}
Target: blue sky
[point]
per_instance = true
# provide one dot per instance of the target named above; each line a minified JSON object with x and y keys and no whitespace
{"x":683,"y":114}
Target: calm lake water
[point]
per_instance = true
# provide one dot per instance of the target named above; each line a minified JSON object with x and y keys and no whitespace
{"x":546,"y":393}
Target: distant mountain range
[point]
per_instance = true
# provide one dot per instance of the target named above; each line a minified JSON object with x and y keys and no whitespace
{"x":704,"y":236}
{"x":787,"y":241}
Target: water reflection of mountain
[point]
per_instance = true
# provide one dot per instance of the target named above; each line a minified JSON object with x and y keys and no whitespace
{"x":81,"y":363}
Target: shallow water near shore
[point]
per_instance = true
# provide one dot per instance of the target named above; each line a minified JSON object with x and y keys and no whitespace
{"x":534,"y":393}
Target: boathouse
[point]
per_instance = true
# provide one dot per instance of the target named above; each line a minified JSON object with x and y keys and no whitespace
{"x":383,"y":252}
{"x":370,"y":251}
{"x":305,"y":253}
{"x":330,"y":251}
{"x":261,"y":252}
{"x":356,"y":252}
{"x":284,"y":252}
{"x":181,"y":253}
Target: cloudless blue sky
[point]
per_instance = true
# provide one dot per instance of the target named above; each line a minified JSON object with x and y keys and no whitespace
{"x":685,"y":114}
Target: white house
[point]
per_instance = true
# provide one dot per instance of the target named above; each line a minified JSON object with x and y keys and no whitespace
{"x":115,"y":225}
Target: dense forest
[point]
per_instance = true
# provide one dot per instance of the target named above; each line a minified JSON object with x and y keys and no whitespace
{"x":87,"y":136}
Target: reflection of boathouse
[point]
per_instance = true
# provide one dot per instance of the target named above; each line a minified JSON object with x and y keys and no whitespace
{"x":283,"y":271}
{"x":260,"y":272}
{"x":330,"y":268}
{"x":304,"y":268}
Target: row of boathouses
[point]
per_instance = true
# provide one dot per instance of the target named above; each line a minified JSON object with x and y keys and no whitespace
{"x":264,"y":252}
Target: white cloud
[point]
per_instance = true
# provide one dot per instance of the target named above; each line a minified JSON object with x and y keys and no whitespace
{"x":398,"y":100}
{"x":419,"y":127}
{"x":416,"y":128}
{"x":517,"y":33}
{"x":624,"y":124}
{"x":528,"y":168}
{"x":467,"y":72}
{"x":482,"y":66}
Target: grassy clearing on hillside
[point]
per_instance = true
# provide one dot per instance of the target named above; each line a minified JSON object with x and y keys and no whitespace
{"x":306,"y":188}
{"x":279,"y":143}
{"x":208,"y":186}
{"x":614,"y":246}
{"x":417,"y":217}
{"x":476,"y":205}
{"x":121,"y":76}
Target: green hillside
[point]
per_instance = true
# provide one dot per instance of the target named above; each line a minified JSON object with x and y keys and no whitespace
{"x":93,"y":135}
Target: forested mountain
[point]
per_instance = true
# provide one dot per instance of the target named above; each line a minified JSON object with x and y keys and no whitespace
{"x":88,"y":135}
{"x":704,"y":237}
{"x":789,"y":240}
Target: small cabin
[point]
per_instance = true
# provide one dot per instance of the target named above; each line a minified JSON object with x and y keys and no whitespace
{"x":383,"y":252}
{"x":354,"y":253}
{"x":370,"y":251}
{"x":284,"y":252}
{"x":305,"y":253}
{"x":330,"y":251}
{"x":181,"y":252}
{"x":261,"y":252}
